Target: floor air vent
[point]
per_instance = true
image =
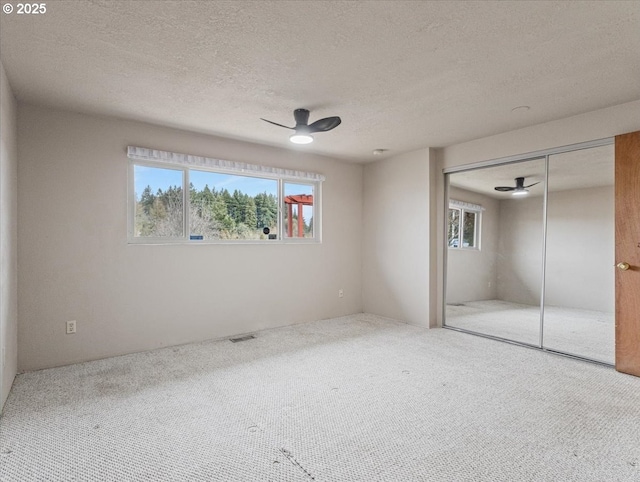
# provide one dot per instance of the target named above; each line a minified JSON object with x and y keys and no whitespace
{"x":241,"y":338}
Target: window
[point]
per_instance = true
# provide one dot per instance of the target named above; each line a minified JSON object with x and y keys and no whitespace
{"x":179,"y":198}
{"x":227,"y":206}
{"x":159,"y":207}
{"x":298,"y":210}
{"x":463,"y":225}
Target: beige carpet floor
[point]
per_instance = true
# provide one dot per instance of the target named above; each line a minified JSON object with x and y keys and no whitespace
{"x":585,"y":333}
{"x":358,"y":398}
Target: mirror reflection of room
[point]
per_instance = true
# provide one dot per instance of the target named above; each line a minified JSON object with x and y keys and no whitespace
{"x":494,"y":287}
{"x":496,"y":244}
{"x":579,"y":282}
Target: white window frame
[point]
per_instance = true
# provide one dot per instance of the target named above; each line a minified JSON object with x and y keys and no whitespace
{"x":139,"y":156}
{"x":469,"y":208}
{"x":316,"y":208}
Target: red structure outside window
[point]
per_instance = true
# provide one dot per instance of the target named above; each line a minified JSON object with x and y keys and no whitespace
{"x":300,"y":200}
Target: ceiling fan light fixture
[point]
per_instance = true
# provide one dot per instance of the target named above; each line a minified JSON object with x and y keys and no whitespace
{"x":301,"y":138}
{"x":519,"y":189}
{"x":303,"y":129}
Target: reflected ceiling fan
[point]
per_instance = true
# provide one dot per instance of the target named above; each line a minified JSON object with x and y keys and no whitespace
{"x":304,"y":129}
{"x":519,"y":189}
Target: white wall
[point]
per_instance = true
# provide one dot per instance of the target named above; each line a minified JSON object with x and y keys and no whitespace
{"x":580,"y":249}
{"x":519,"y":259}
{"x":571,"y":130}
{"x":8,"y":238}
{"x":593,"y":125}
{"x":472,"y":274}
{"x":399,"y":238}
{"x":75,"y":263}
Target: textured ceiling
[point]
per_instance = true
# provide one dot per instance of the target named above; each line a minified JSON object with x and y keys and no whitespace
{"x":402,"y":74}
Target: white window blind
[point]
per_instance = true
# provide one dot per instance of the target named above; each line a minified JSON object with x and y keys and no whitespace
{"x":187,"y":160}
{"x":463,"y":205}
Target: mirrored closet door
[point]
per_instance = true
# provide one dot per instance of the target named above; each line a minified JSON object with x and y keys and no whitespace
{"x":494,"y":285}
{"x":530,"y":252}
{"x":579,"y":298}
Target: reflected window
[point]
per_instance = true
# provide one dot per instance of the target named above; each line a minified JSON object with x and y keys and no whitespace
{"x":463,"y":227}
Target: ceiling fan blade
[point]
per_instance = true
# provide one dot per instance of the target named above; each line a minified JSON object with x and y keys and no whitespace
{"x":504,"y":188}
{"x":325,"y":124}
{"x":276,"y":124}
{"x":533,"y":184}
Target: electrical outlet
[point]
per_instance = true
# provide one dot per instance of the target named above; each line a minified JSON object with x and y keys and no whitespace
{"x":340,"y":293}
{"x":71,"y":327}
